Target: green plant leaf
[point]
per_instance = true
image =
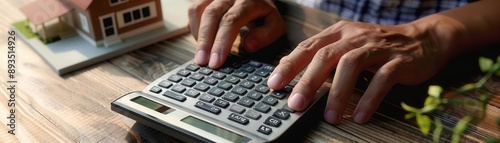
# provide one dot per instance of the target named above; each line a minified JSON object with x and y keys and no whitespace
{"x":409,"y":108}
{"x":424,"y":123}
{"x":485,"y":63}
{"x":492,"y":140}
{"x":435,"y":91}
{"x":460,"y":128}
{"x":484,"y":98}
{"x":438,"y":130}
{"x":498,"y":122}
{"x":467,"y":87}
{"x":409,"y":115}
{"x":428,"y":108}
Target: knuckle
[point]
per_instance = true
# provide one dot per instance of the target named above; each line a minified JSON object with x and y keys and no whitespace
{"x":307,"y":46}
{"x":306,"y":81}
{"x":230,"y":18}
{"x":212,"y":11}
{"x":287,"y":63}
{"x":351,"y":58}
{"x":324,"y":55}
{"x":194,"y":9}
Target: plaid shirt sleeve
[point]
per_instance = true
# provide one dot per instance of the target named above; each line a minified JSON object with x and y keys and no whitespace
{"x":385,"y":12}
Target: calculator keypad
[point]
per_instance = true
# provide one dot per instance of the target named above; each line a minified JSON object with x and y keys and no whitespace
{"x":239,"y":87}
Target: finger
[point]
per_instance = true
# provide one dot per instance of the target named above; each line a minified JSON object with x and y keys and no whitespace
{"x":195,"y":12}
{"x":324,"y":61}
{"x":350,"y":66}
{"x":299,"y":58}
{"x":380,"y":85}
{"x":208,"y":28}
{"x":236,"y":17}
{"x":263,"y":35}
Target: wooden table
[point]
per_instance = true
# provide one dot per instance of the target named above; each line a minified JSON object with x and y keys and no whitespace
{"x":76,"y":107}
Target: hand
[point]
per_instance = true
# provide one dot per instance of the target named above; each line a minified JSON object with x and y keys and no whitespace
{"x":215,"y":24}
{"x":404,"y":54}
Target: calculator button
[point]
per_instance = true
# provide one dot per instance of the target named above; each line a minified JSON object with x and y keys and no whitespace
{"x":219,"y":75}
{"x":196,"y":76}
{"x":282,"y":114}
{"x":262,"y":89}
{"x":254,"y":78}
{"x":245,"y":101}
{"x":165,"y":84}
{"x":261,"y":107}
{"x":178,"y":88}
{"x":175,"y":78}
{"x":246,"y":84}
{"x":268,"y":68}
{"x":174,"y":95}
{"x":155,"y":89}
{"x":280,"y":94}
{"x":264,"y":82}
{"x":239,"y":90}
{"x":285,"y":107}
{"x":188,"y":82}
{"x":221,"y":103}
{"x":230,"y":97}
{"x":226,"y":70}
{"x":240,"y":74}
{"x":224,"y":85}
{"x":205,"y":71}
{"x":255,"y":64}
{"x":237,"y":109}
{"x":265,"y":130}
{"x":216,"y":91}
{"x":201,"y":87}
{"x":207,"y":107}
{"x":272,"y":121}
{"x":254,"y":95}
{"x":238,"y":119}
{"x":192,"y":93}
{"x":253,"y":114}
{"x":192,"y":67}
{"x":262,"y":73}
{"x":232,"y":79}
{"x":207,"y":98}
{"x":183,"y":73}
{"x":270,"y":100}
{"x":210,"y":80}
{"x":248,"y":68}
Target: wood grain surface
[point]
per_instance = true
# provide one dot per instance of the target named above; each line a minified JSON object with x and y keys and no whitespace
{"x":76,"y":107}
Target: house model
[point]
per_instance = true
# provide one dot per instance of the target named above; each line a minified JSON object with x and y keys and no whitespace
{"x":99,"y":22}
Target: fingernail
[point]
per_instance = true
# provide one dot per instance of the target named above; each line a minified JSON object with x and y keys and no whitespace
{"x":201,"y":57}
{"x":332,"y":117}
{"x":297,"y":101}
{"x":214,"y":60}
{"x":360,"y":117}
{"x":275,"y":81}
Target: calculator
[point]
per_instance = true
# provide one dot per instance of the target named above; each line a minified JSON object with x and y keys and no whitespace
{"x":229,"y":104}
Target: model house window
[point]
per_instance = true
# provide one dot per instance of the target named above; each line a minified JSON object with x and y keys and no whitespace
{"x":108,"y":26}
{"x":136,"y":14}
{"x":83,"y":22}
{"x":116,"y":2}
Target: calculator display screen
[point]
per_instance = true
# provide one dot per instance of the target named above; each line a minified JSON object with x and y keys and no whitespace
{"x":150,"y":104}
{"x":218,"y":131}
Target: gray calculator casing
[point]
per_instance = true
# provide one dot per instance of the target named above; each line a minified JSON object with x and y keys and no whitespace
{"x":169,"y":122}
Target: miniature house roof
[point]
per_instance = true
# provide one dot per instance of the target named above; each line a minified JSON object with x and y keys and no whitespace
{"x":82,"y":4}
{"x":41,"y":11}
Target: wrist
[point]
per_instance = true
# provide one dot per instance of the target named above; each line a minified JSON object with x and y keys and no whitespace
{"x":440,"y":32}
